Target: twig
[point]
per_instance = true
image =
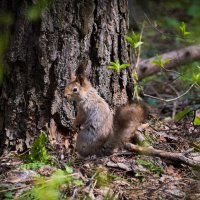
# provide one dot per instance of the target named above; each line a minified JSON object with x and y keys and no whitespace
{"x":176,"y":157}
{"x":17,"y":188}
{"x":92,"y":188}
{"x":163,"y":33}
{"x":173,"y":99}
{"x":173,"y":71}
{"x":175,"y":102}
{"x":139,"y":49}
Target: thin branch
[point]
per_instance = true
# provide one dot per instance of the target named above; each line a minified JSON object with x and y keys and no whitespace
{"x":173,"y":71}
{"x":173,"y":99}
{"x":139,"y":49}
{"x":166,"y":34}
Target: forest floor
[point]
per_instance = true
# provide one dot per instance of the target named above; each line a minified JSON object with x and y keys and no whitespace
{"x":124,"y":175}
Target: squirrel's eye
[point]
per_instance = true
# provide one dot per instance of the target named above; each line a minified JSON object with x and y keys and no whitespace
{"x":75,"y":89}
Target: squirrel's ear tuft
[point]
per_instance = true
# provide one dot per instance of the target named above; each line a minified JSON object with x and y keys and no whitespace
{"x":81,"y":79}
{"x":80,"y":71}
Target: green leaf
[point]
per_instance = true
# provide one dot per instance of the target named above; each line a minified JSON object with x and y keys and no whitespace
{"x":155,"y":62}
{"x":197,"y":117}
{"x":159,"y":61}
{"x":182,"y":28}
{"x":78,"y":182}
{"x":68,"y":169}
{"x":166,"y":61}
{"x":197,"y":121}
{"x":128,"y":39}
{"x":133,"y":40}
{"x":33,"y":166}
{"x":116,"y":65}
{"x":138,"y":44}
{"x":111,"y":67}
{"x":123,"y":66}
{"x":182,"y":113}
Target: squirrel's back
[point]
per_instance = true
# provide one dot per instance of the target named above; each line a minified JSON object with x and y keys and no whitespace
{"x":97,"y":126}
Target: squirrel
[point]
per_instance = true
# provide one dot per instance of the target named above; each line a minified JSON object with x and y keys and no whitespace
{"x":100,"y":131}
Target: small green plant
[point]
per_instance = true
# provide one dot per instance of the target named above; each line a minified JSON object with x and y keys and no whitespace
{"x":182,"y":29}
{"x":102,"y":177}
{"x":33,"y":166}
{"x":8,"y":196}
{"x":196,"y":75}
{"x":189,"y":110}
{"x":134,"y":40}
{"x":149,"y":165}
{"x":38,"y":152}
{"x":117,"y":66}
{"x":160,"y":62}
{"x":50,"y":188}
{"x":190,"y":74}
{"x":140,"y":176}
{"x":182,"y":113}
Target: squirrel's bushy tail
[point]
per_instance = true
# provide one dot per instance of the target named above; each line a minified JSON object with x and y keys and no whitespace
{"x":126,"y":120}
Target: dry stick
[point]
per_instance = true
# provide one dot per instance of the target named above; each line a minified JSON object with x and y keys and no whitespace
{"x":175,"y":102}
{"x":92,"y":188}
{"x":150,"y":151}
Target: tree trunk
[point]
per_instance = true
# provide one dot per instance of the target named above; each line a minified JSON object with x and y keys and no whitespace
{"x":40,"y":54}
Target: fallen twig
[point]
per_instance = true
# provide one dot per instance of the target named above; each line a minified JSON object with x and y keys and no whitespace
{"x":175,"y":157}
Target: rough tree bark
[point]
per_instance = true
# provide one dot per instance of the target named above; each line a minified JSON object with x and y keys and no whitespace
{"x":40,"y":54}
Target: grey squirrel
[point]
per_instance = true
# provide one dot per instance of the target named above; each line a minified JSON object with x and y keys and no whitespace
{"x":100,"y":131}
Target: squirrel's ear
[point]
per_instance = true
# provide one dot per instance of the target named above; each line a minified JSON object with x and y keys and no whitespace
{"x":80,"y":73}
{"x":81,"y":79}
